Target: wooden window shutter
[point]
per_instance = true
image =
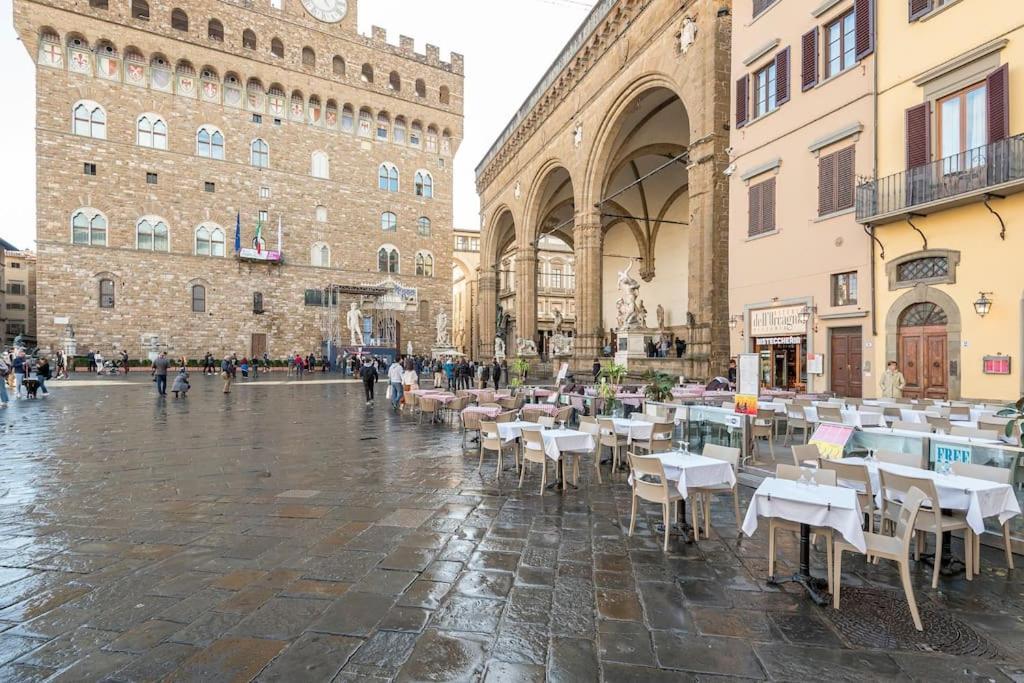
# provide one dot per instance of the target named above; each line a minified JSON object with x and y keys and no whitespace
{"x":742,"y":102}
{"x":826,"y":184}
{"x":782,"y":77}
{"x":919,"y":8}
{"x":919,"y":139}
{"x":997,"y":88}
{"x":754,"y":208}
{"x":864,"y":27}
{"x":768,"y":205}
{"x":846,"y":179}
{"x":809,"y":60}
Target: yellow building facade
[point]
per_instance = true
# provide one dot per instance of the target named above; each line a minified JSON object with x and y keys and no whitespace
{"x":944,"y":208}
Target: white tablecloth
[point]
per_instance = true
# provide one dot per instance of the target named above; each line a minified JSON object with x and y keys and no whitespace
{"x":978,"y":497}
{"x":690,"y":470}
{"x":558,"y":440}
{"x":819,"y":506}
{"x":509,"y":431}
{"x":853,"y":418}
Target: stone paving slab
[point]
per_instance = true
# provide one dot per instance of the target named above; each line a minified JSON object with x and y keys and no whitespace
{"x":141,"y":541}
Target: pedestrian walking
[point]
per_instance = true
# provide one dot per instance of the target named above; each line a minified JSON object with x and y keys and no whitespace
{"x":160,"y":365}
{"x":496,"y":373}
{"x":893,"y":381}
{"x":485,"y":375}
{"x":124,"y":360}
{"x":181,"y":383}
{"x":5,"y":370}
{"x":596,"y":369}
{"x":20,"y":370}
{"x":368,"y":373}
{"x":226,"y":374}
{"x":42,"y":374}
{"x":395,"y":378}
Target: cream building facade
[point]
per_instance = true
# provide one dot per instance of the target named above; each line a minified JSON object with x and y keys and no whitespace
{"x":619,"y":152}
{"x":944,"y":206}
{"x":19,"y":302}
{"x":161,"y":128}
{"x":803,"y":130}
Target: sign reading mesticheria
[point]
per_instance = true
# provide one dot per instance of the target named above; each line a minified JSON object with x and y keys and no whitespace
{"x":777,"y":321}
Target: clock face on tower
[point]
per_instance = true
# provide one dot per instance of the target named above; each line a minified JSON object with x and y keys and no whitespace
{"x":330,"y":11}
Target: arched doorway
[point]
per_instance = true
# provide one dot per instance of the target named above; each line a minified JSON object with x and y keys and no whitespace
{"x":923,"y":346}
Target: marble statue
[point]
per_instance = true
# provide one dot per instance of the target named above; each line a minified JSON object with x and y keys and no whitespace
{"x":687,"y":35}
{"x":501,"y":326}
{"x":660,"y":313}
{"x":641,"y":314}
{"x":561,"y":345}
{"x":518,"y":189}
{"x":499,"y":348}
{"x":19,"y":342}
{"x":408,"y":348}
{"x":442,"y":339}
{"x":526,"y":347}
{"x":577,"y":135}
{"x":559,"y":321}
{"x":627,"y":305}
{"x":354,"y":319}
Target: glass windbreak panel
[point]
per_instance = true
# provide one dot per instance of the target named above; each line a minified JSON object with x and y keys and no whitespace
{"x":869,"y":441}
{"x":710,"y":425}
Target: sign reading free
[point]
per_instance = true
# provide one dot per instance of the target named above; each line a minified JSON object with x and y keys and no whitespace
{"x":950,"y":453}
{"x":782,"y":320}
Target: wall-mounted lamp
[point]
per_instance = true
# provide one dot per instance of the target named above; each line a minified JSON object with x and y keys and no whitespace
{"x":734,"y":320}
{"x":804,"y":315}
{"x":983,"y":305}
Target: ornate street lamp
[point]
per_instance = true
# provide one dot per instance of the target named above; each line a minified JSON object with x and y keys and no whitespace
{"x":983,"y":305}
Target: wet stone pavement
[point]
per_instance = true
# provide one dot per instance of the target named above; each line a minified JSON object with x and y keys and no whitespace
{"x":287,"y":532}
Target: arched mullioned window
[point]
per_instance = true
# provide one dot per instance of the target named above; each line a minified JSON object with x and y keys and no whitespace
{"x":320,"y":255}
{"x":209,"y":240}
{"x":89,"y":226}
{"x":387,"y":177}
{"x":151,"y":131}
{"x":210,"y":142}
{"x":388,"y":222}
{"x":259,"y":153}
{"x":151,"y":234}
{"x":425,"y":264}
{"x":424,"y":184}
{"x":89,"y":119}
{"x":320,"y":165}
{"x":388,"y":259}
{"x":423,"y":226}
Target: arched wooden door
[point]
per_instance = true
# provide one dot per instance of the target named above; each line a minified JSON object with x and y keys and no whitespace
{"x":923,"y":350}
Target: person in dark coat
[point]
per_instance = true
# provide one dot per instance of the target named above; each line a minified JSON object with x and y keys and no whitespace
{"x":485,"y":375}
{"x":496,"y":373}
{"x":368,"y":373}
{"x":596,"y":369}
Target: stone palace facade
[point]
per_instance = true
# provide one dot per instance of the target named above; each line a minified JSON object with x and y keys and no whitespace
{"x":162,"y":130}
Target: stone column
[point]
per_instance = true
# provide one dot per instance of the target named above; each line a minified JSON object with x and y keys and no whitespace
{"x":487,"y":303}
{"x":526,"y":293}
{"x":588,"y":238}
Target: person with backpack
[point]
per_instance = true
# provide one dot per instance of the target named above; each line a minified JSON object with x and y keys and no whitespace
{"x":368,"y":373}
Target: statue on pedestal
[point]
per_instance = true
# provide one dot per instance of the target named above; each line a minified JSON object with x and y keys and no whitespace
{"x":628,"y":304}
{"x":526,"y":347}
{"x":660,"y":312}
{"x":354,"y":318}
{"x":499,"y":348}
{"x":441,"y":338}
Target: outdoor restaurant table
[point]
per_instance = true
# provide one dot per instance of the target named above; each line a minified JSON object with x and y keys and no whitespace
{"x":441,"y":397}
{"x":978,"y":497}
{"x":490,"y":412}
{"x":558,"y":440}
{"x":509,"y":431}
{"x":496,"y":393}
{"x":808,"y":505}
{"x":633,"y":429}
{"x":546,"y":408}
{"x":690,"y":470}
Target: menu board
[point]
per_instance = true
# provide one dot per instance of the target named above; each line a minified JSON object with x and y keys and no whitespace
{"x":831,"y":439}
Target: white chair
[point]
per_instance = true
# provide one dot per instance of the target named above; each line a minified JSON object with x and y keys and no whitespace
{"x":989,"y":434}
{"x":796,"y":419}
{"x":590,"y":426}
{"x":1001,"y":475}
{"x":490,"y":440}
{"x":806,"y":455}
{"x":922,"y":427}
{"x":895,"y":548}
{"x":858,"y":475}
{"x":533,"y":451}
{"x":650,"y":484}
{"x":617,"y":442}
{"x":905,"y":459}
{"x":546,"y":421}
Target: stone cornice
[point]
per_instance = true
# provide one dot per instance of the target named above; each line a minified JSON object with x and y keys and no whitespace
{"x":596,"y":35}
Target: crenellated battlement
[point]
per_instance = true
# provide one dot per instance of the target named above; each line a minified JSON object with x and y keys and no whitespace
{"x":378,"y":39}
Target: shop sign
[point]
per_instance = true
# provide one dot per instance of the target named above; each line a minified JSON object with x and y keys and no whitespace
{"x":777,"y":321}
{"x":775,"y":341}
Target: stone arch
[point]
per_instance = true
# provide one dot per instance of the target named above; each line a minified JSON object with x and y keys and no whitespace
{"x":954,"y":328}
{"x":550,"y":169}
{"x":494,"y":237}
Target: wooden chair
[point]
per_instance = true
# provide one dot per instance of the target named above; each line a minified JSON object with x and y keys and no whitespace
{"x":706,"y":493}
{"x":490,"y":440}
{"x":905,"y":459}
{"x":793,"y":473}
{"x":804,"y":456}
{"x":975,"y":433}
{"x":922,"y":427}
{"x":609,"y":438}
{"x":427,"y":406}
{"x":650,"y":484}
{"x":895,"y":548}
{"x":1001,"y":475}
{"x":856,"y":474}
{"x":939,"y":424}
{"x":763,"y":426}
{"x":533,"y":451}
{"x":796,"y":419}
{"x":933,"y":521}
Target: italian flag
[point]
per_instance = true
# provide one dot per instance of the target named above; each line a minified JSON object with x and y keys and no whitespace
{"x":259,"y":236}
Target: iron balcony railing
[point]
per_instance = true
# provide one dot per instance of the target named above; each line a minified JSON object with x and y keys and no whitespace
{"x":936,"y":185}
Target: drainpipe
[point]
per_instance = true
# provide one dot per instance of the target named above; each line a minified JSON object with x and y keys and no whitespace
{"x":874,"y":104}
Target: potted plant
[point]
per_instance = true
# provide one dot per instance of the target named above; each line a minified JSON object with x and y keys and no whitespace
{"x":610,"y":378}
{"x":517,"y":374}
{"x":614,"y":373}
{"x":1016,"y":414}
{"x":659,"y":386}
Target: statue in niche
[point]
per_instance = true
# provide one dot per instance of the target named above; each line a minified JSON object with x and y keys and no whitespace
{"x":628,"y":303}
{"x":441,"y":337}
{"x":660,"y":313}
{"x":687,"y":35}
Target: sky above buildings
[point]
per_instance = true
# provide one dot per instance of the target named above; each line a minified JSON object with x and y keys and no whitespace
{"x":507,"y":45}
